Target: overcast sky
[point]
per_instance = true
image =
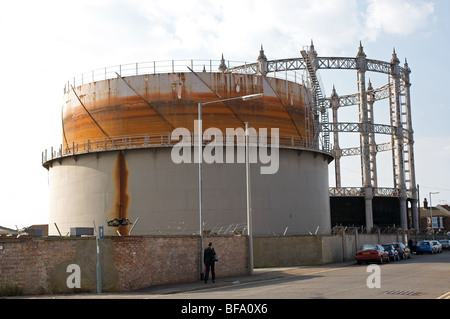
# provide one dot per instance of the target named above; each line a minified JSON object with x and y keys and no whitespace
{"x":46,"y":43}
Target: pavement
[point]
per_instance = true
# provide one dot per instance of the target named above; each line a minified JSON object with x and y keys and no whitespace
{"x":171,"y":290}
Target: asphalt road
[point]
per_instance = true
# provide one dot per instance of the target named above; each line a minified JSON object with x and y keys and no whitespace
{"x":421,"y":277}
{"x":283,"y":292}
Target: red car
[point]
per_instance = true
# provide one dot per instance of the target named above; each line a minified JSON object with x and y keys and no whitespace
{"x":371,"y":253}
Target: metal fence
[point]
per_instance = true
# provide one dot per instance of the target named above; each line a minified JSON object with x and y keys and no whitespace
{"x":167,"y":140}
{"x":359,"y":191}
{"x":170,"y":66}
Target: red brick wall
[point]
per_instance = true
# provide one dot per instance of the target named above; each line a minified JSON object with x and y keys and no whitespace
{"x":146,"y":261}
{"x":28,"y":262}
{"x":38,"y":265}
{"x":447,"y":223}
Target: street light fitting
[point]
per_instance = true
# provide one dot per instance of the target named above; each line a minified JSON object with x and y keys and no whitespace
{"x":252,"y":96}
{"x":243,"y":98}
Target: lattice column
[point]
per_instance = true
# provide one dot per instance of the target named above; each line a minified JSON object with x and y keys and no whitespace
{"x":412,"y":173}
{"x":361,"y":67}
{"x":395,"y":70}
{"x":334,"y":103}
{"x":372,"y":142}
{"x":263,"y":68}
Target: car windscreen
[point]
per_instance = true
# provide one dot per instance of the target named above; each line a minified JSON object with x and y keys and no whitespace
{"x":366,"y":247}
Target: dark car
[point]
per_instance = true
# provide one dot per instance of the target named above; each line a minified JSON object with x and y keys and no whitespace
{"x":403,"y":250}
{"x":371,"y":253}
{"x":393,"y":253}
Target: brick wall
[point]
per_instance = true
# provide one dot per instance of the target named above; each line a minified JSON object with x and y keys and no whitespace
{"x":423,"y":223}
{"x":28,"y":262}
{"x":146,"y":261}
{"x":39,"y":265}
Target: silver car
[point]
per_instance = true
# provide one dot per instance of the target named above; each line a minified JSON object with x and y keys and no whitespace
{"x":445,"y":243}
{"x":438,"y":246}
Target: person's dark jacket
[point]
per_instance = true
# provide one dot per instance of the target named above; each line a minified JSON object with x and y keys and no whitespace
{"x":209,"y":255}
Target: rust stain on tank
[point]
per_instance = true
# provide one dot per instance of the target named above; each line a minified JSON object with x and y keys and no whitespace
{"x":121,"y":187}
{"x":174,"y":103}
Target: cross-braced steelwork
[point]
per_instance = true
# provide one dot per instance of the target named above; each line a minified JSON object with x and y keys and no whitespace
{"x":396,"y":91}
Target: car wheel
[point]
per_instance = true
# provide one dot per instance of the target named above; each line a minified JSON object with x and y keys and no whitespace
{"x":380,"y":261}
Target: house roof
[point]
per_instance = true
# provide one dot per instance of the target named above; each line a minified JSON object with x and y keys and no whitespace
{"x":438,"y":211}
{"x":7,"y":230}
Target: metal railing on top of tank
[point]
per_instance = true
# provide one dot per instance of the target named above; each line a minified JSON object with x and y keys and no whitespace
{"x":167,"y":66}
{"x":166,"y":140}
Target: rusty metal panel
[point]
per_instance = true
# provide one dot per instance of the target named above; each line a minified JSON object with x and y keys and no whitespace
{"x":158,"y":103}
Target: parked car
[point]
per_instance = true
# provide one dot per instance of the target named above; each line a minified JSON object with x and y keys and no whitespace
{"x":425,"y":246}
{"x":393,"y":253}
{"x":403,"y":250}
{"x":438,"y":246}
{"x":371,"y":253}
{"x":445,"y":243}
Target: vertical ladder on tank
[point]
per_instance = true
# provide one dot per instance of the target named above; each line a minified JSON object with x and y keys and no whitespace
{"x":319,"y":104}
{"x":308,"y":111}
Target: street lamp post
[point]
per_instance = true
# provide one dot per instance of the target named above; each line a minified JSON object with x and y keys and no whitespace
{"x":431,"y":213}
{"x":249,"y":200}
{"x":200,"y":159}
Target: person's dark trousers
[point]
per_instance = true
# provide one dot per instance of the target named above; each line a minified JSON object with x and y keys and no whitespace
{"x":210,"y":268}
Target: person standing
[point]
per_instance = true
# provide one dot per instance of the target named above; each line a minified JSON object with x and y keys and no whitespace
{"x":209,"y":259}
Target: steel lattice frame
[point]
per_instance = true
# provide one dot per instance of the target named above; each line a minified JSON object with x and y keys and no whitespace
{"x":397,"y":90}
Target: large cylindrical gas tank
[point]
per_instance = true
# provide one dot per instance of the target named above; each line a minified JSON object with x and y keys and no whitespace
{"x":116,"y":159}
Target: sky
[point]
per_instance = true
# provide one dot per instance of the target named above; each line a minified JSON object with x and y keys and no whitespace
{"x":45,"y":43}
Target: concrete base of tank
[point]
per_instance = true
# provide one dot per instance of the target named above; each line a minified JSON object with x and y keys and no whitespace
{"x":91,"y":189}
